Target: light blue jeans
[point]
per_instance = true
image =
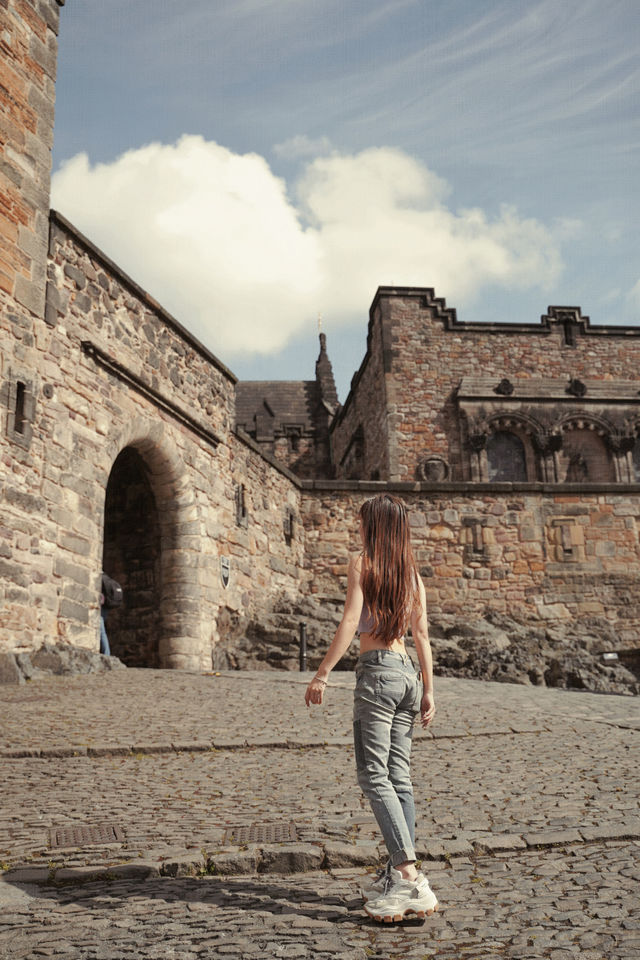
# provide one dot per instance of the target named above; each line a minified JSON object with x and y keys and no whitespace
{"x":104,"y":640}
{"x":386,"y":700}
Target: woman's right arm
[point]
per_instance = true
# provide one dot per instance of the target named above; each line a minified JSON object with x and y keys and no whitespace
{"x":420,"y":630}
{"x":343,"y":635}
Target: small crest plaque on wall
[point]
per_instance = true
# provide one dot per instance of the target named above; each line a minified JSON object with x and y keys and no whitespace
{"x":225,"y":571}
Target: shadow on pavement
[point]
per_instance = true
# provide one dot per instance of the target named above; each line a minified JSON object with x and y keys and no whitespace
{"x":268,"y":894}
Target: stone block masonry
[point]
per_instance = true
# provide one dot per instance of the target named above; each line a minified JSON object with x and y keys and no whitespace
{"x":130,"y":464}
{"x":28,"y":51}
{"x":516,"y":446}
{"x":433,"y":391}
{"x":546,"y":558}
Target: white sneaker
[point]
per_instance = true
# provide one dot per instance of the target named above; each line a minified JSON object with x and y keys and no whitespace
{"x":402,"y":898}
{"x":375,"y":885}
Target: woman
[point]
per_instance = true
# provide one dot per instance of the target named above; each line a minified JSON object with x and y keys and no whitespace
{"x":384,"y":596}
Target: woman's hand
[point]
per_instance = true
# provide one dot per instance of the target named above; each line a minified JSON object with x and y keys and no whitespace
{"x":315,"y":691}
{"x":427,"y":709}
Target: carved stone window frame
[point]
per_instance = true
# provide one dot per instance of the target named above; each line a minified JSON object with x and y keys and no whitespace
{"x":21,"y":408}
{"x":565,"y":540}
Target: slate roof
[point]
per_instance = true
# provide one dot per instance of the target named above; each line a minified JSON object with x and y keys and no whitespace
{"x":279,"y":402}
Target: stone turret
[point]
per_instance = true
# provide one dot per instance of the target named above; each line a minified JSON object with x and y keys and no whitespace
{"x":324,"y":377}
{"x":28,"y":54}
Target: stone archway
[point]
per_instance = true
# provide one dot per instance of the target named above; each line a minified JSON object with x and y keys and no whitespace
{"x":149,"y":492}
{"x":132,"y":555}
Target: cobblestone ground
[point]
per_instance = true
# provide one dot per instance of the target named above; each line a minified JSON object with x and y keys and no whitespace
{"x":527,"y":807}
{"x":565,"y":903}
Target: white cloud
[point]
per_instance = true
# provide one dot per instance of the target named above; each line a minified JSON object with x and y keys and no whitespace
{"x":302,"y":146}
{"x":216,"y":238}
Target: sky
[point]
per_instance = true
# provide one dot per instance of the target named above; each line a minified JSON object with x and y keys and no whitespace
{"x":256,"y":164}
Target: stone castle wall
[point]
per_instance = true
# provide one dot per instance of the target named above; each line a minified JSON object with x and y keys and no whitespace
{"x":118,"y":450}
{"x":542,"y":557}
{"x":109,"y":375}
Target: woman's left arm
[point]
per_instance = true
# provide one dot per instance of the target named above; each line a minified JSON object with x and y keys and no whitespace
{"x":420,"y":633}
{"x":343,"y":635}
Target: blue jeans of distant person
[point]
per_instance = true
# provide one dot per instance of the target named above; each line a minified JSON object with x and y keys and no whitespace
{"x":104,"y":640}
{"x":386,"y":700}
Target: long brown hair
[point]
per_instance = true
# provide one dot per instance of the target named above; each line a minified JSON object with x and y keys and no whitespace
{"x":389,"y":575}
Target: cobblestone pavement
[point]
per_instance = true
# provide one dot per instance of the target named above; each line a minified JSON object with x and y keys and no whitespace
{"x":527,"y":804}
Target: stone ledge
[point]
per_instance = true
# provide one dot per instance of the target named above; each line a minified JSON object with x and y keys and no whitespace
{"x":290,"y":858}
{"x":552,"y":838}
{"x":502,"y":843}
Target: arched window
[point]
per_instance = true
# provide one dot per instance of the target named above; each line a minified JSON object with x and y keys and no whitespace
{"x":584,"y":457}
{"x":506,"y":459}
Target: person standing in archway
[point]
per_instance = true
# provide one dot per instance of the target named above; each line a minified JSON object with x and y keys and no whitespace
{"x":110,"y":597}
{"x":384,"y":596}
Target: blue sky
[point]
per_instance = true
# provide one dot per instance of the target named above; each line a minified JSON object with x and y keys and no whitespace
{"x":253,"y":163}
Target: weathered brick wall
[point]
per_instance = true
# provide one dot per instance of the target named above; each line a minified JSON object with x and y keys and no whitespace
{"x":28,"y":51}
{"x":142,"y":386}
{"x":538,"y":556}
{"x":431,"y":353}
{"x":360,"y":434}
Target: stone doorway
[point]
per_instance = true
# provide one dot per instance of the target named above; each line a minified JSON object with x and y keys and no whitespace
{"x":132,"y":555}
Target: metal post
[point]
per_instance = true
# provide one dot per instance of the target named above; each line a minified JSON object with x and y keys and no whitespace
{"x":303,"y":647}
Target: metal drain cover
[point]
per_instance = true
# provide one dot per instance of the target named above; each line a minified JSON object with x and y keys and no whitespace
{"x":261,"y":833}
{"x":85,"y":835}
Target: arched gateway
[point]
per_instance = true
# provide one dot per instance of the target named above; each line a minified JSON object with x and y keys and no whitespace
{"x":150,"y":529}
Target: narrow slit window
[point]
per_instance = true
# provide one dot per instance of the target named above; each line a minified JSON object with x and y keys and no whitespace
{"x":289,"y":524}
{"x":241,"y":505}
{"x":19,"y":420}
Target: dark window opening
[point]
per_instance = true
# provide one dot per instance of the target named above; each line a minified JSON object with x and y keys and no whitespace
{"x":19,"y":419}
{"x":506,"y":458}
{"x":241,"y":505}
{"x":289,"y":526}
{"x":570,"y":333}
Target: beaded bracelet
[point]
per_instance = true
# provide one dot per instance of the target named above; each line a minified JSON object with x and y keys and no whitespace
{"x":318,"y":680}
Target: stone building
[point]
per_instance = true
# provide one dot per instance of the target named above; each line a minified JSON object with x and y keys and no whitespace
{"x":118,"y":441}
{"x":290,"y":419}
{"x":227,"y":510}
{"x":517,"y":446}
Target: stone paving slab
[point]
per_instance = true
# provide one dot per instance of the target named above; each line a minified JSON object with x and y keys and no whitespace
{"x":180,"y":805}
{"x":527,"y":804}
{"x":529,"y":905}
{"x":140,"y":709}
{"x":558,"y":779}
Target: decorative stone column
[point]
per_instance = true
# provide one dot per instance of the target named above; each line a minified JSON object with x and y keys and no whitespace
{"x":621,"y":446}
{"x":478,"y":459}
{"x":548,"y":446}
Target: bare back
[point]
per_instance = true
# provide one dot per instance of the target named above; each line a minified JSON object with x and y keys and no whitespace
{"x":367,"y":640}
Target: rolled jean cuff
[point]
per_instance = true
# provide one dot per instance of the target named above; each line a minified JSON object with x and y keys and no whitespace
{"x":403,"y":856}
